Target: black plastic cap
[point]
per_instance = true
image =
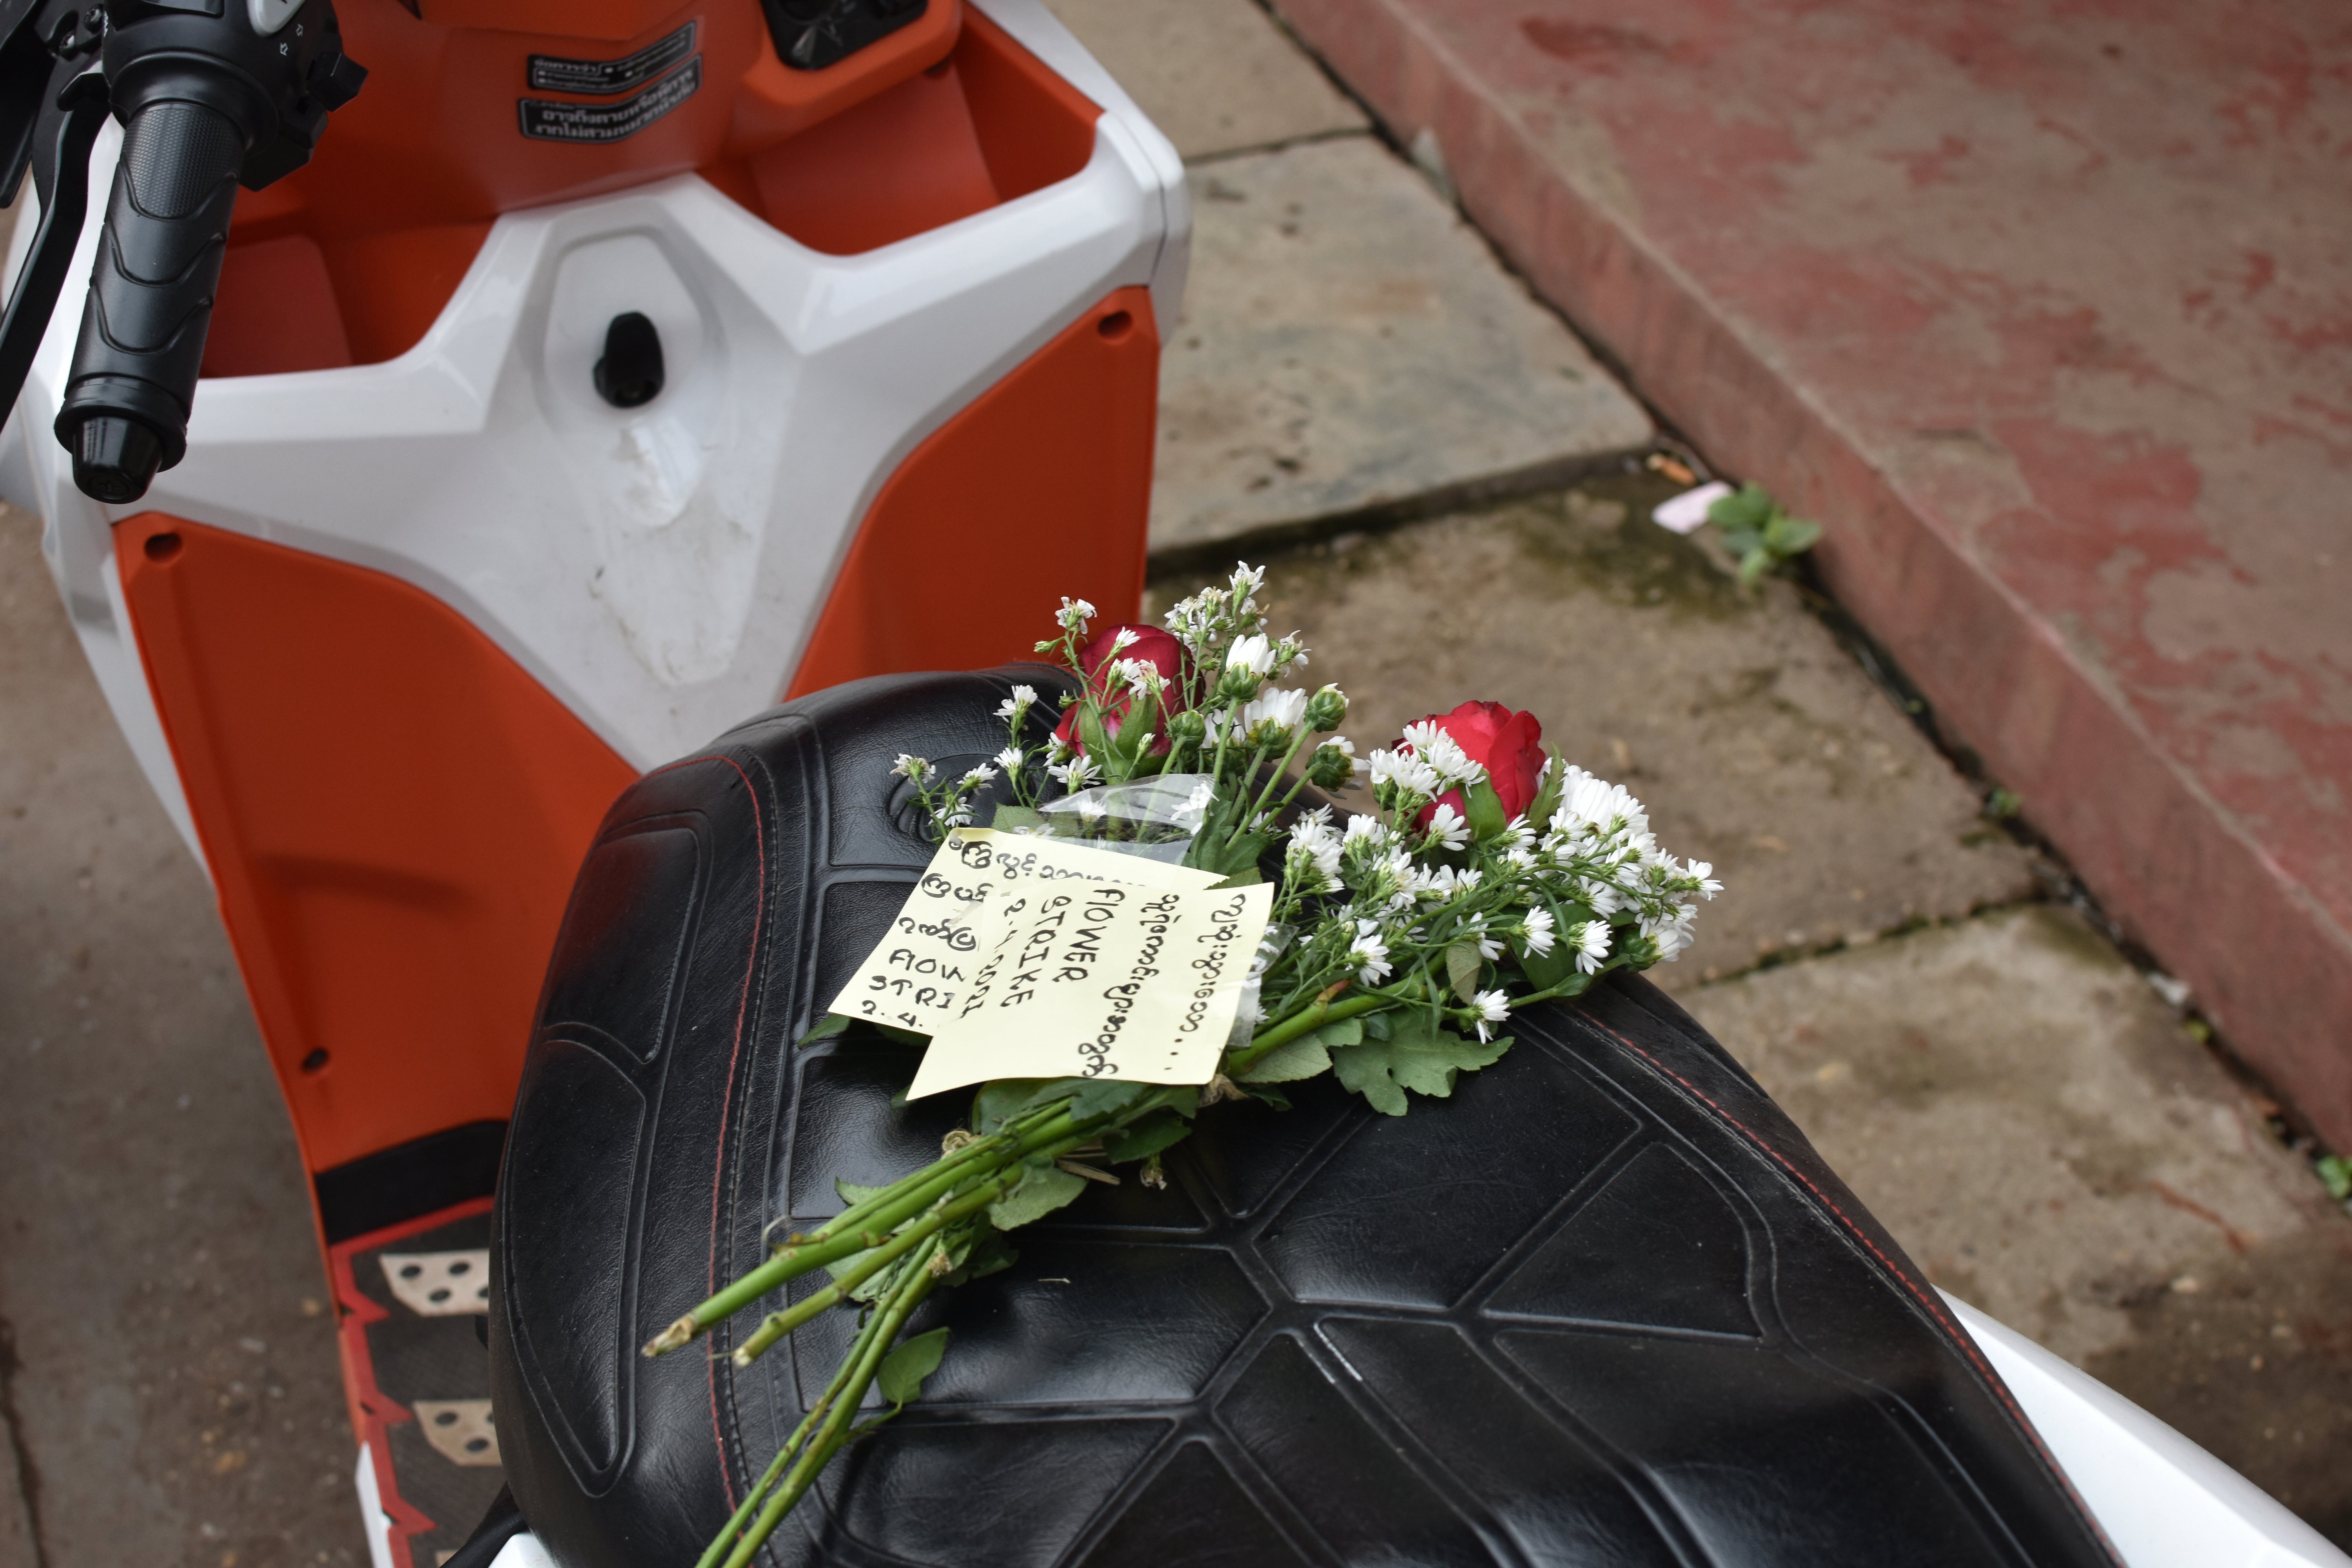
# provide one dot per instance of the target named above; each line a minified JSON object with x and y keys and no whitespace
{"x":336,"y":79}
{"x":115,"y":459}
{"x":630,"y":374}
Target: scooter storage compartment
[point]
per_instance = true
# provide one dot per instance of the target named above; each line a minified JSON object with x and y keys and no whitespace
{"x":1605,"y":1305}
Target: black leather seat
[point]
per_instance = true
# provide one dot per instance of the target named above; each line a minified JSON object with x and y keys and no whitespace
{"x":1606,"y":1306}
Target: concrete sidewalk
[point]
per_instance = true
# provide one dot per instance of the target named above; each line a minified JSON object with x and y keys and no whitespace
{"x":2045,"y":312}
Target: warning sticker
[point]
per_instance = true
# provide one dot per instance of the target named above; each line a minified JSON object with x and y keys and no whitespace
{"x":552,"y":122}
{"x":602,"y":79}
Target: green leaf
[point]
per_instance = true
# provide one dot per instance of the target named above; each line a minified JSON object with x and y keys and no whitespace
{"x":1143,"y":719}
{"x":1418,"y":1055}
{"x":2335,"y":1176}
{"x":1092,"y":735}
{"x":1303,"y":1057}
{"x":1005,"y":1097}
{"x":851,"y":1192}
{"x":1750,"y":506}
{"x":1754,"y":565}
{"x":1141,"y":1140}
{"x":1093,"y":1097}
{"x":1486,"y":814}
{"x":872,"y":1285}
{"x":1238,"y":859}
{"x":1376,"y":1024}
{"x":1546,"y":970}
{"x":1547,"y":802}
{"x":1269,"y":1093}
{"x":911,"y":1361}
{"x":1462,"y":968}
{"x":1012,"y":819}
{"x":1041,"y":1192}
{"x":1785,"y":536}
{"x":986,"y":1254}
{"x":828,"y":1027}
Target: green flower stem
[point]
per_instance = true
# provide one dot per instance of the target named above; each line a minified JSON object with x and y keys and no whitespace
{"x":929,"y":1178}
{"x":1313,"y":1018}
{"x":865,"y":1360}
{"x":1274,"y":778}
{"x":742,"y":1516}
{"x":874,"y":1219}
{"x":779,"y":1324}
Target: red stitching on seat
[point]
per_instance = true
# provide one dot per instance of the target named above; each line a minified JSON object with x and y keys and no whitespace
{"x":726,"y":1098}
{"x":1961,"y":1336}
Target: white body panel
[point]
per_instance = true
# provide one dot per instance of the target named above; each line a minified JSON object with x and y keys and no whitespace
{"x":659,"y":569}
{"x":2163,"y":1501}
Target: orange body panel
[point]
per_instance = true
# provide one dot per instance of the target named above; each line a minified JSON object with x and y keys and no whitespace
{"x":392,"y":811}
{"x":1040,"y":487}
{"x":350,"y":259}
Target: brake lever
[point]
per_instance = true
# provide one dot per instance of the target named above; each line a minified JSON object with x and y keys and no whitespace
{"x":34,"y":300}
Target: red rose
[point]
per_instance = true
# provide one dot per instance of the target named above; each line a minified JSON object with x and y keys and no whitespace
{"x":1507,"y":744}
{"x":1155,"y":648}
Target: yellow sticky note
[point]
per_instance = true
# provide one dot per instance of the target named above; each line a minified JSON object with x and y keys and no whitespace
{"x":1101,"y":980}
{"x":916,"y":974}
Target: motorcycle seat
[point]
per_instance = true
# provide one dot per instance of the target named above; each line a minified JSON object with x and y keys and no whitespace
{"x":1603,"y":1306}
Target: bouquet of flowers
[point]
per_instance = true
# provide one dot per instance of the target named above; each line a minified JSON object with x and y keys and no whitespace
{"x":1487,"y":877}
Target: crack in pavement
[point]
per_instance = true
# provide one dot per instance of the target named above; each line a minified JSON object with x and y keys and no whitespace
{"x":28,"y":1474}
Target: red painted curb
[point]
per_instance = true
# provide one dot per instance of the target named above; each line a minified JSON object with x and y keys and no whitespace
{"x":2269,"y":962}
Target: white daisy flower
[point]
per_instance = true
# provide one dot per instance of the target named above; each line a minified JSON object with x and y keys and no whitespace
{"x":1447,"y":826}
{"x":1195,"y":807}
{"x":1408,"y":772}
{"x":1494,"y":1007}
{"x":1076,"y":774}
{"x":1535,"y":932}
{"x":1253,"y":654}
{"x":913,"y":767}
{"x":1475,"y":930}
{"x":1591,"y":946}
{"x":1368,"y":954}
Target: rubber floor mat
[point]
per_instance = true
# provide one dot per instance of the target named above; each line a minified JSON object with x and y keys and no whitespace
{"x":413,"y":1301}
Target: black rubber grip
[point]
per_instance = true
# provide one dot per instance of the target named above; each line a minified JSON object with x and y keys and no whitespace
{"x":159,"y":266}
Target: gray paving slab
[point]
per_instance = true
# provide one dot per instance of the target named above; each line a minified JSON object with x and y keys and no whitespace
{"x":176,"y":1385}
{"x":2035,"y":1128}
{"x":1756,"y":742}
{"x":1215,"y":76}
{"x":1349,"y":344}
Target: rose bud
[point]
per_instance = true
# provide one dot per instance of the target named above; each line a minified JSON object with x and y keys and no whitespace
{"x":1125,"y":645}
{"x":1509,"y":746}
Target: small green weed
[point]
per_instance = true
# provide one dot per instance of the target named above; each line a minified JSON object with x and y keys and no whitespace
{"x":2335,"y":1176}
{"x":1756,"y":530}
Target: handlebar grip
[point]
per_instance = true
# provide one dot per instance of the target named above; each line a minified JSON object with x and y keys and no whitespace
{"x":125,"y":413}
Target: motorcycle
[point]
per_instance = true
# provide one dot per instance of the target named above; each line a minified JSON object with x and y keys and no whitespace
{"x":476,"y":403}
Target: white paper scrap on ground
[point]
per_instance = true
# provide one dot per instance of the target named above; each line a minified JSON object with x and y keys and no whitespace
{"x":1101,"y":980}
{"x":1689,"y":510}
{"x":916,"y":974}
